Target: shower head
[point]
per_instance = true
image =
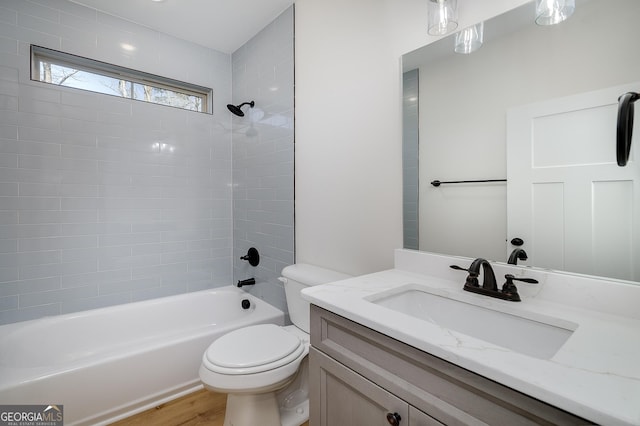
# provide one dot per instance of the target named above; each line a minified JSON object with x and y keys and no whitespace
{"x":236,"y":108}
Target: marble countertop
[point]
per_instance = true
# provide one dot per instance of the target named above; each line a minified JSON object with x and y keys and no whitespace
{"x":595,"y":374}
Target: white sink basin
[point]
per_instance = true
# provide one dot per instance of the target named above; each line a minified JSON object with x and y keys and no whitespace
{"x":530,"y":334}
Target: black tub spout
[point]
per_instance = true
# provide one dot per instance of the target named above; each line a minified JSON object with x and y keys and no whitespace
{"x":248,"y":281}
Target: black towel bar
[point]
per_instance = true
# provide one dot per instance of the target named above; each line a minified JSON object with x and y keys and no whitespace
{"x":438,"y":183}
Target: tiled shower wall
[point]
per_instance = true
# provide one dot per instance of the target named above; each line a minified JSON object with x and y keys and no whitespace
{"x":92,"y":213}
{"x":263,"y":171}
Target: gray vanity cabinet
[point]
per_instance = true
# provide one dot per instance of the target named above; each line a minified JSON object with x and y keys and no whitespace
{"x":359,"y":377}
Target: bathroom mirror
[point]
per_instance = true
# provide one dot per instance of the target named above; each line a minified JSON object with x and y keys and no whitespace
{"x":455,"y":125}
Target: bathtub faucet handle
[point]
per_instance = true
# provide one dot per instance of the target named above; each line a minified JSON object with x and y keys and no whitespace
{"x":252,"y":256}
{"x":248,"y":281}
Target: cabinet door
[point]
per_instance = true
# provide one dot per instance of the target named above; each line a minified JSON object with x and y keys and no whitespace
{"x":418,"y":418}
{"x":340,"y":397}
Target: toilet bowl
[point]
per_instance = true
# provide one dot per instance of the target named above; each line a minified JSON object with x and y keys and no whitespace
{"x":263,"y":368}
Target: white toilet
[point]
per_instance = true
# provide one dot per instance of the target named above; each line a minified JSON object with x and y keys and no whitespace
{"x":263,"y":368}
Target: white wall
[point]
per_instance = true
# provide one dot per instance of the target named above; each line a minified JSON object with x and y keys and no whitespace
{"x":349,"y":125}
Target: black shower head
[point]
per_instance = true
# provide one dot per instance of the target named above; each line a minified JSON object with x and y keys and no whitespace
{"x":236,"y":108}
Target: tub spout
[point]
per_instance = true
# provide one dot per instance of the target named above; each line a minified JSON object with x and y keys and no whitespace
{"x":248,"y":281}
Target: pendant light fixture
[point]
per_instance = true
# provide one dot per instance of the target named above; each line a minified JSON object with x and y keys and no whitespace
{"x":470,"y":39}
{"x":551,"y":12}
{"x":442,"y":16}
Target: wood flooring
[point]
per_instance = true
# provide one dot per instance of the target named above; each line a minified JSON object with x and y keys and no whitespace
{"x":201,"y":408}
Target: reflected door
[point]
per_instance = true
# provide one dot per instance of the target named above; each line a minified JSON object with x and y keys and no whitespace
{"x":567,"y":198}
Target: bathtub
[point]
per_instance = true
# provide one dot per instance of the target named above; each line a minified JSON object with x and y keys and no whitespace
{"x":106,"y":364}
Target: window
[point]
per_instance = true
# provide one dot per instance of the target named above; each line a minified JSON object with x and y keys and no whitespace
{"x":63,"y":69}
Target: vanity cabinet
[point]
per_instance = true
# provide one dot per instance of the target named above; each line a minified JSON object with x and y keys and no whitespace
{"x":360,"y":377}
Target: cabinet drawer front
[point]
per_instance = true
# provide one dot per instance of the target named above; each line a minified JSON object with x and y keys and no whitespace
{"x":450,"y":394}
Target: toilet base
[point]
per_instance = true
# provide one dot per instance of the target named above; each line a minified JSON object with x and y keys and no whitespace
{"x":288,"y":406}
{"x":252,"y":409}
{"x":295,"y":416}
{"x":264,"y":409}
{"x":294,"y":399}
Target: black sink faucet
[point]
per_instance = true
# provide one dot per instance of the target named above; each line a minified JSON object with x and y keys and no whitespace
{"x":489,"y":280}
{"x":489,"y":285}
{"x":517,"y":254}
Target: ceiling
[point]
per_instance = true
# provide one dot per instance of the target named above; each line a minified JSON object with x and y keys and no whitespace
{"x":223,"y":25}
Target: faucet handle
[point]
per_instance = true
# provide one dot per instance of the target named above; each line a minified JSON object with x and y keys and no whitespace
{"x":472,"y":278}
{"x":510,"y":290}
{"x":459,"y":268}
{"x":511,"y":278}
{"x":252,"y":256}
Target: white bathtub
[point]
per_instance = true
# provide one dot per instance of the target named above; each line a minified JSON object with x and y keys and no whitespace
{"x":106,"y":364}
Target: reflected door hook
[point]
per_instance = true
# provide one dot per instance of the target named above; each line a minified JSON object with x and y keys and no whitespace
{"x":625,"y":126}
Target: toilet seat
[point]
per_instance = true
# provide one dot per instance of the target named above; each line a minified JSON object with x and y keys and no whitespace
{"x":253,"y":349}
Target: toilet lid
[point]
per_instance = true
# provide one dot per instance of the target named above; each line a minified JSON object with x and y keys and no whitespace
{"x":253,"y":349}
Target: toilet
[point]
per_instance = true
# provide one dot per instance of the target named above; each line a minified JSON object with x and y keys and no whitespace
{"x":264,"y":368}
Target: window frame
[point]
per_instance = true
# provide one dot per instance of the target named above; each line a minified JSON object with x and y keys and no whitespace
{"x":41,"y":54}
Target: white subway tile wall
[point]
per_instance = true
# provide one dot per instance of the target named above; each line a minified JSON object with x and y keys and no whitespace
{"x":263,"y":142}
{"x":410,"y":159}
{"x":105,"y":200}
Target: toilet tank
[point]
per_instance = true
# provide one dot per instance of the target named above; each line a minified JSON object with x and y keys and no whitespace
{"x":298,"y":277}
